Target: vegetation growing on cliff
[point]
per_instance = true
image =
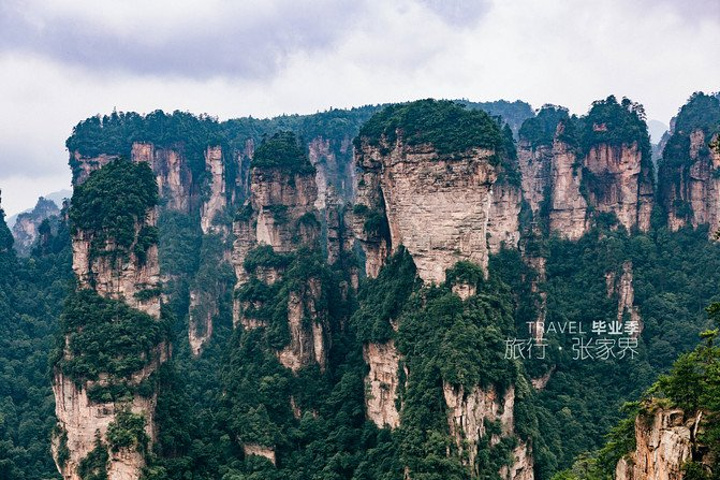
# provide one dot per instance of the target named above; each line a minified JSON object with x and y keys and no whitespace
{"x":701,"y":112}
{"x":106,"y":336}
{"x":540,"y":130}
{"x":112,"y":205}
{"x":282,"y":150}
{"x":449,"y":127}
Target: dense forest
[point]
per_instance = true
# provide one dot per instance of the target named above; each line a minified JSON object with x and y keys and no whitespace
{"x":235,"y":393}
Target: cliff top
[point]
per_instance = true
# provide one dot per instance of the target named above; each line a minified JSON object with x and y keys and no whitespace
{"x":446,"y":125}
{"x":282,"y":150}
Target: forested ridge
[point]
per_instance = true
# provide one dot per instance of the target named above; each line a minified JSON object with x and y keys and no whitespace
{"x":236,"y":392}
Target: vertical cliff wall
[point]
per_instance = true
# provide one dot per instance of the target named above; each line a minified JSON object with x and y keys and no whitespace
{"x":433,"y":197}
{"x":116,"y":264}
{"x":576,"y":169}
{"x":281,"y":218}
{"x":665,"y":440}
{"x":689,"y":170}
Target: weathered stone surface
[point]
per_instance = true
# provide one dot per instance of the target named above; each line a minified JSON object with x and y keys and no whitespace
{"x":504,"y":217}
{"x":217,"y":199}
{"x":691,"y":193}
{"x":260,"y":451}
{"x":308,"y":339}
{"x":568,"y":207}
{"x":25,"y":231}
{"x":437,"y":207}
{"x":468,"y":415}
{"x":120,"y":276}
{"x":382,"y":384}
{"x":665,"y":440}
{"x":620,"y":184}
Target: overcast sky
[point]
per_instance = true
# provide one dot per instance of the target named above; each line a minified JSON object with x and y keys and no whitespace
{"x":64,"y":60}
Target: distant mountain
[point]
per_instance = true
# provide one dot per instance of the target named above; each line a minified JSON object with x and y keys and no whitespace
{"x":56,"y":197}
{"x":656,"y":128}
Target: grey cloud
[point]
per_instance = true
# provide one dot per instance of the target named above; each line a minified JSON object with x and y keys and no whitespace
{"x":459,"y":13}
{"x":694,"y":12}
{"x":231,"y":47}
{"x":29,"y":161}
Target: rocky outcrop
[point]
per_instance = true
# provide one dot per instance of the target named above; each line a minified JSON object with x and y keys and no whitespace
{"x":217,"y":199}
{"x":534,"y":163}
{"x":619,"y":183}
{"x":382,"y":384}
{"x":200,"y":329}
{"x":281,"y":213}
{"x":551,"y":184}
{"x":691,"y":190}
{"x":25,"y":231}
{"x":469,"y":414}
{"x":308,"y":341}
{"x":625,"y":290}
{"x":438,"y":207}
{"x":504,"y":217}
{"x":283,"y":206}
{"x":82,"y":420}
{"x":665,"y":440}
{"x":83,"y":166}
{"x":568,"y":207}
{"x":332,"y":160}
{"x":127,"y":277}
{"x":172,"y":174}
{"x":250,"y":449}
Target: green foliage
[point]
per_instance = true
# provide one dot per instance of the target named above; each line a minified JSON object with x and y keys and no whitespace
{"x":265,"y":256}
{"x":127,"y":431}
{"x":540,"y":130}
{"x":112,"y":203}
{"x":701,"y":112}
{"x":31,"y":295}
{"x":114,"y":135}
{"x":282,"y":150}
{"x":382,"y":300}
{"x":94,"y":466}
{"x":449,"y":127}
{"x":612,"y":123}
{"x":513,"y":114}
{"x":106,"y":336}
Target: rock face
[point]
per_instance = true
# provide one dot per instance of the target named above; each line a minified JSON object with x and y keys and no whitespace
{"x":690,"y":191}
{"x":203,"y":307}
{"x":437,"y":207}
{"x":285,"y":207}
{"x":217,"y":200}
{"x":568,"y":207}
{"x":307,"y":342}
{"x":469,"y":414}
{"x":83,"y":166}
{"x":172,"y":173}
{"x":119,"y":277}
{"x":260,"y":451}
{"x":281,"y":213}
{"x":80,"y":419}
{"x":666,"y":439}
{"x":504,"y":217}
{"x":575,"y":170}
{"x":382,"y":384}
{"x":619,"y":184}
{"x":25,"y":231}
{"x":625,"y":290}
